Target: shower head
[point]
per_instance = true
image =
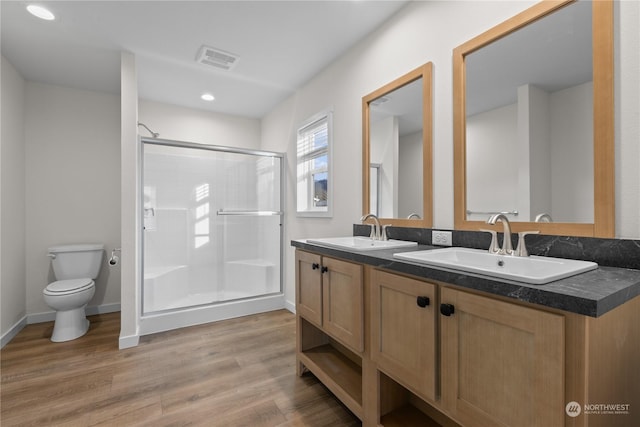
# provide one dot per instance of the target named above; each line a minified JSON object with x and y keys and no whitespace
{"x":153,"y":134}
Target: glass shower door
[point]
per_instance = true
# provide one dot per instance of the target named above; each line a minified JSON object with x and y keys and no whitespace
{"x":212,"y":225}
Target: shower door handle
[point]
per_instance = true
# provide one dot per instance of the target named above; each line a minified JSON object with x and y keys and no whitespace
{"x":222,"y":212}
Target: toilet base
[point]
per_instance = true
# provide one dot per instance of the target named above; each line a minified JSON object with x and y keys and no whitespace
{"x":69,"y":325}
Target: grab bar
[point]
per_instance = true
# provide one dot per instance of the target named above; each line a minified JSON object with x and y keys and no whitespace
{"x":249,"y":213}
{"x":469,"y":212}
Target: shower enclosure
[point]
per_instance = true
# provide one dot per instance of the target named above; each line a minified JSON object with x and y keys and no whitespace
{"x":212,"y":231}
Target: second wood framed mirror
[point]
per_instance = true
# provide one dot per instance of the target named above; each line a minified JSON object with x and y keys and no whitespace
{"x":534,"y":122}
{"x":396,"y":159}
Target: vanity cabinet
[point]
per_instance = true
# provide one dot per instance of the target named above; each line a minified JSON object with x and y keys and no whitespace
{"x":403,"y":350}
{"x":502,"y":364}
{"x":330,"y":295}
{"x":403,"y":331}
{"x":330,"y":324}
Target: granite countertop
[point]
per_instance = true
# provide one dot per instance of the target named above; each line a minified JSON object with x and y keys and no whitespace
{"x":592,"y":293}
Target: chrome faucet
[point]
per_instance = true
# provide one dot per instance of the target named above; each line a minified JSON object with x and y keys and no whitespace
{"x":521,"y":250}
{"x":493,"y":246}
{"x":507,"y":248}
{"x":414,"y":215}
{"x":375,"y":229}
{"x":543,"y":217}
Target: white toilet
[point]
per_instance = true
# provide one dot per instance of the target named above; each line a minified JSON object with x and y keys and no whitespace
{"x":75,"y":267}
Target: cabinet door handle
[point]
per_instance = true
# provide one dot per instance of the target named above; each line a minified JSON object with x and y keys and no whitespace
{"x":422,"y":301}
{"x":447,"y":309}
{"x":324,"y":269}
{"x":315,"y":266}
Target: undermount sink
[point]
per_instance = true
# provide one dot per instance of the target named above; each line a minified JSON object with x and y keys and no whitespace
{"x":360,"y":243}
{"x":534,"y":270}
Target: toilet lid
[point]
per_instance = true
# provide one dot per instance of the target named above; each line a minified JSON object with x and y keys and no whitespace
{"x":75,"y":285}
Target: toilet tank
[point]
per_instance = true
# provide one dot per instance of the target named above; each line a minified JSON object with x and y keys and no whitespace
{"x":76,"y":261}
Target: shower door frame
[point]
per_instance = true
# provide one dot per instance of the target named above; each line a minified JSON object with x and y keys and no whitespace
{"x":280,"y":213}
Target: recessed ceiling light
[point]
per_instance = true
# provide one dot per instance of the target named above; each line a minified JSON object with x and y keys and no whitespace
{"x":41,"y":12}
{"x":207,"y":97}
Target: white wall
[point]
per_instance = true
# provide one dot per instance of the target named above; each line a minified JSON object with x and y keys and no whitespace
{"x":571,"y":162}
{"x":410,"y":188}
{"x":627,"y":105}
{"x":72,"y":144}
{"x":545,"y":145}
{"x":204,"y":127}
{"x":422,"y":32}
{"x":539,"y":145}
{"x":12,"y":201}
{"x":492,"y":155}
{"x":384,"y":150}
{"x":419,"y":33}
{"x":66,"y":127}
{"x":130,"y":203}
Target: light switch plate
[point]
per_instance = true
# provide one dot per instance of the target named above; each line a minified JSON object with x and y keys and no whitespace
{"x":441,"y":238}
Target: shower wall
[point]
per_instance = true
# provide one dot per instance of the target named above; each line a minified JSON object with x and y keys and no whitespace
{"x":212,"y":228}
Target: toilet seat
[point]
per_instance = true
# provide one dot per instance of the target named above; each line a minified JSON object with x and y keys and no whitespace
{"x":67,"y":287}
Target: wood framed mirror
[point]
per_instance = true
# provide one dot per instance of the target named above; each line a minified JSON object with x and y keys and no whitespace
{"x":396,"y":151}
{"x":530,"y":176}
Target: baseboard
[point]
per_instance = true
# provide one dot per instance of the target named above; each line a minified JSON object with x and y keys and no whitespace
{"x":47,"y":316}
{"x":128,"y":342}
{"x":290,"y":306}
{"x":50,"y":316}
{"x":13,"y":331}
{"x":102,"y":309}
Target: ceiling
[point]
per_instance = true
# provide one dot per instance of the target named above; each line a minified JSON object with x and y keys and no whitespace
{"x":281,"y":45}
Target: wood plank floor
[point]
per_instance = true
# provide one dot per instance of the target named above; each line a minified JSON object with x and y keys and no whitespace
{"x":238,"y":372}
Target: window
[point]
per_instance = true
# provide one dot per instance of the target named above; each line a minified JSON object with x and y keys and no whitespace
{"x":314,"y":166}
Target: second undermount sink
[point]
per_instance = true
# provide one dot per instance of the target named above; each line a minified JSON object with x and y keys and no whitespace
{"x":534,"y":270}
{"x":360,"y":243}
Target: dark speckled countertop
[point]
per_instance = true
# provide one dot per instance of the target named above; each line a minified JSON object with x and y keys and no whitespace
{"x":592,"y":293}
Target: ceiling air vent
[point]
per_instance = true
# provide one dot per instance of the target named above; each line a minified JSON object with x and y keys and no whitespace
{"x":217,"y":58}
{"x":379,"y":101}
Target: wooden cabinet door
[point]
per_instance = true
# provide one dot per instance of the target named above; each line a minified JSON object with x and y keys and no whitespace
{"x":403,"y":331}
{"x":342,"y":306}
{"x":502,"y":364}
{"x":309,"y":287}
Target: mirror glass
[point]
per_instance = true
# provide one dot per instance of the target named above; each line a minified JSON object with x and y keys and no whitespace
{"x":533,"y":121}
{"x":397,"y":149}
{"x":529,"y":115}
{"x":395,"y":141}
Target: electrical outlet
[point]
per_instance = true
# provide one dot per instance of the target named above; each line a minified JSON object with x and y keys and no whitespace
{"x":441,"y":238}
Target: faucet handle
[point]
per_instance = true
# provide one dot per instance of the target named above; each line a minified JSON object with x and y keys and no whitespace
{"x":383,"y":232}
{"x":521,"y":250}
{"x":374,"y":232}
{"x":493,"y":247}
